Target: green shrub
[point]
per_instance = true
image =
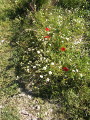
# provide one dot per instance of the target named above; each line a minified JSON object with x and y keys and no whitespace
{"x":73,"y":3}
{"x":50,"y":58}
{"x":20,"y":8}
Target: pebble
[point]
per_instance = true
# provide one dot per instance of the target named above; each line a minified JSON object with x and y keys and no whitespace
{"x":31,"y":117}
{"x":37,"y":107}
{"x":24,"y":112}
{"x":2,"y":41}
{"x":30,"y":97}
{"x":1,"y":106}
{"x":22,"y":95}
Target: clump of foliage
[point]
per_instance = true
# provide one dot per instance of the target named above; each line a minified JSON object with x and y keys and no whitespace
{"x":73,"y":3}
{"x":20,"y":8}
{"x":49,"y":57}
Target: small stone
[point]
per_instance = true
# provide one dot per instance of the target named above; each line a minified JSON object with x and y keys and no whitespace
{"x":37,"y":107}
{"x":1,"y":106}
{"x":24,"y":112}
{"x":29,"y":97}
{"x":2,"y":41}
{"x":46,"y":113}
{"x":51,"y":110}
{"x":22,"y":94}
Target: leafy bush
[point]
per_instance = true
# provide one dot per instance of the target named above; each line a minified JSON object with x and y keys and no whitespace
{"x":50,"y":58}
{"x":49,"y":55}
{"x":73,"y":3}
{"x":20,"y":8}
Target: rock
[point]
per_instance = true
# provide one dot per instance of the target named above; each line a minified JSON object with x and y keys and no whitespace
{"x":24,"y":112}
{"x":37,"y":107}
{"x":1,"y":106}
{"x":31,"y":117}
{"x":22,"y":95}
{"x":30,"y":97}
{"x":46,"y":113}
{"x":2,"y":41}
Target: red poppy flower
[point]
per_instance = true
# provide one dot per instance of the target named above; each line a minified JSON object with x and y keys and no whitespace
{"x":65,"y":69}
{"x":47,"y":37}
{"x":63,"y":49}
{"x":47,"y":29}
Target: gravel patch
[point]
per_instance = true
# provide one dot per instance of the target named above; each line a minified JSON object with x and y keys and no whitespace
{"x":31,"y":108}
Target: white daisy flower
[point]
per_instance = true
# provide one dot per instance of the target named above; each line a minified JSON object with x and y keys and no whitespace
{"x":41,"y":76}
{"x":34,"y":66}
{"x":17,"y":78}
{"x":62,"y":41}
{"x":76,"y":70}
{"x":50,"y":72}
{"x":73,"y":70}
{"x":70,"y":59}
{"x":81,"y":75}
{"x":38,"y":52}
{"x":67,"y":39}
{"x":47,"y":80}
{"x":47,"y":51}
{"x":44,"y":68}
{"x":27,"y":70}
{"x":29,"y":49}
{"x":59,"y":67}
{"x":44,"y":58}
{"x":52,"y":63}
{"x":41,"y":50}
